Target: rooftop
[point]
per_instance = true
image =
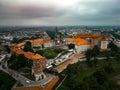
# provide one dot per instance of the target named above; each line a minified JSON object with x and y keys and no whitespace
{"x":37,"y":56}
{"x":89,"y":36}
{"x":28,"y":55}
{"x":78,"y":41}
{"x":35,"y":41}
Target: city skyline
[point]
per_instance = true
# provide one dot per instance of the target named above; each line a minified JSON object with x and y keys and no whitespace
{"x":56,"y":12}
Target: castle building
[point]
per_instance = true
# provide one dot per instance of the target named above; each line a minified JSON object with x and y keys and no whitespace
{"x":84,"y":42}
{"x":104,"y":44}
{"x":41,"y":42}
{"x":94,"y":39}
{"x":39,"y":62}
{"x":81,"y":45}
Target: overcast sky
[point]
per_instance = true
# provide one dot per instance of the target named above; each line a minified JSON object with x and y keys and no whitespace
{"x":59,"y":12}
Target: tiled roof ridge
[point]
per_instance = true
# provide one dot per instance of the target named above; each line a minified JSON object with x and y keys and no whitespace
{"x":93,"y":35}
{"x":29,"y":55}
{"x":78,"y":41}
{"x":39,"y":40}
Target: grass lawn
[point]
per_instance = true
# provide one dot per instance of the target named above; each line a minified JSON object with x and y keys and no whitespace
{"x":30,"y":76}
{"x":50,"y":53}
{"x":19,"y":84}
{"x":24,"y":70}
{"x":27,"y":73}
{"x":84,"y":70}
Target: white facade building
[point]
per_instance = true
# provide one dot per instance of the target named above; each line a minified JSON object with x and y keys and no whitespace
{"x":82,"y":48}
{"x":104,"y":44}
{"x":81,"y":45}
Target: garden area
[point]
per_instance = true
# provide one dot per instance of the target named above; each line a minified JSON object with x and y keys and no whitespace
{"x":50,"y":53}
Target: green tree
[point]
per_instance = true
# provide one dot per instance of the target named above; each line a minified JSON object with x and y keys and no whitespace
{"x":92,"y":82}
{"x":88,"y":53}
{"x":100,"y":76}
{"x":113,"y":47}
{"x":89,"y":57}
{"x":95,"y":61}
{"x":28,"y":47}
{"x":58,"y":50}
{"x":117,"y":57}
{"x":15,"y":40}
{"x":108,"y":68}
{"x":7,"y":48}
{"x":6,"y":81}
{"x":95,"y":50}
{"x":21,"y":60}
{"x":108,"y":55}
{"x":71,"y":46}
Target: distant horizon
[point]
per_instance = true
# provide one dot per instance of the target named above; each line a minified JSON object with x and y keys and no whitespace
{"x":59,"y":25}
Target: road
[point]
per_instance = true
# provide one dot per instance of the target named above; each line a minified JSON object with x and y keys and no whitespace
{"x":19,"y":78}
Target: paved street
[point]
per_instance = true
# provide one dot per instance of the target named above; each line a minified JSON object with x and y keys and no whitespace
{"x":18,"y":77}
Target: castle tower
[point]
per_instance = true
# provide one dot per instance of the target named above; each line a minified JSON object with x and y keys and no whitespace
{"x":39,"y":64}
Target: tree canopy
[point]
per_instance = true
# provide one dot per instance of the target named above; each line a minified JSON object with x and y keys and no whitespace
{"x":7,"y":48}
{"x":91,"y":55}
{"x":89,"y":78}
{"x":6,"y":81}
{"x":71,"y":46}
{"x":28,"y":47}
{"x":19,"y":61}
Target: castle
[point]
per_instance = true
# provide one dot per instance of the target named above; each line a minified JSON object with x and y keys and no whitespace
{"x":39,"y":62}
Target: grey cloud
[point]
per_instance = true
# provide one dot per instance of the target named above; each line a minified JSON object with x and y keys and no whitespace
{"x":29,"y":12}
{"x":94,"y":12}
{"x":106,"y":12}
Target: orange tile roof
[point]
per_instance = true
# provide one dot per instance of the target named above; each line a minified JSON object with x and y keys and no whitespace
{"x":14,"y":49}
{"x":52,"y":83}
{"x":37,"y":56}
{"x":70,"y":40}
{"x":46,"y":39}
{"x":19,"y":51}
{"x":40,"y":40}
{"x":89,"y":36}
{"x":78,"y":41}
{"x":36,"y":41}
{"x":28,"y":55}
{"x":20,"y":44}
